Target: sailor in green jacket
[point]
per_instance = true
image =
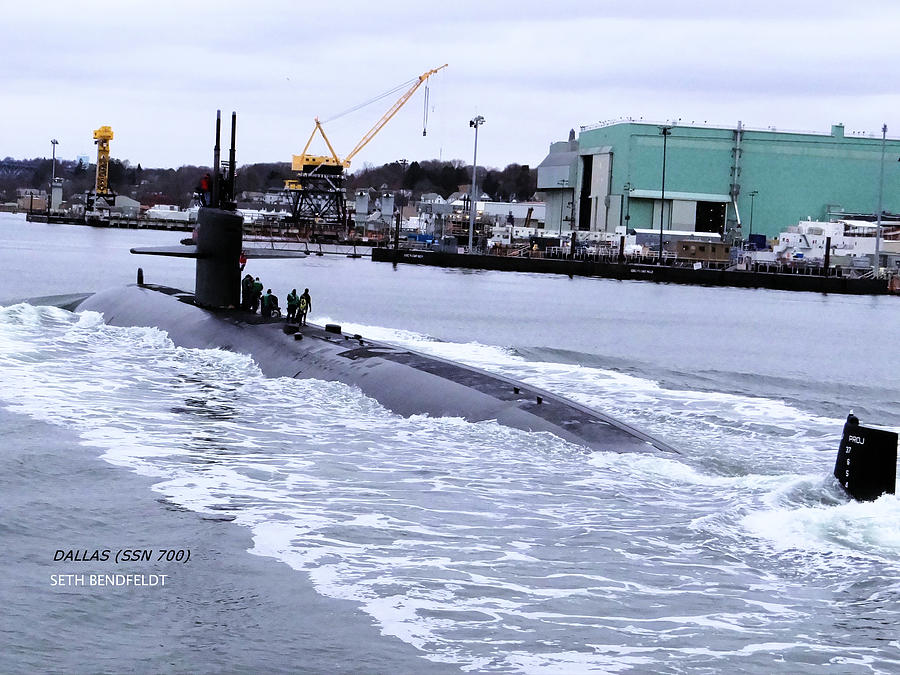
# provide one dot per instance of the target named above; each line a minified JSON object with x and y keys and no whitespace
{"x":293,"y":304}
{"x":270,"y":305}
{"x":256,"y":295}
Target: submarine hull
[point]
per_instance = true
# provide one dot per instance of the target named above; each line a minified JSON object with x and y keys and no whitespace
{"x":405,"y":381}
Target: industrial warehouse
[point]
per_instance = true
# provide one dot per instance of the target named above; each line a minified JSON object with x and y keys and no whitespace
{"x":693,"y":203}
{"x":731,"y":181}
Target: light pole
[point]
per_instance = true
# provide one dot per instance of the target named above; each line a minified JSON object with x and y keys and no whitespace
{"x":476,"y":122}
{"x":877,"y":267}
{"x":666,"y":132}
{"x":398,"y":202}
{"x":753,"y":194}
{"x":628,"y":188}
{"x":53,"y":143}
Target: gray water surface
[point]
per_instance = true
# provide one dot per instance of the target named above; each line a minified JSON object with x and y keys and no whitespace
{"x":459,"y":545}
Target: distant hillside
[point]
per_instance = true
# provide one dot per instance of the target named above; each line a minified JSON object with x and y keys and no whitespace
{"x":175,"y":186}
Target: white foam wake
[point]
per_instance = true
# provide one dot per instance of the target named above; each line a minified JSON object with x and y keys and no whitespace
{"x":476,"y":543}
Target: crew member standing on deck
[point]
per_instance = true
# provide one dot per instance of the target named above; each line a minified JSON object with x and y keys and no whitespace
{"x":247,"y":292}
{"x":203,"y":189}
{"x":256,"y":295}
{"x":293,"y":305}
{"x":305,"y":307}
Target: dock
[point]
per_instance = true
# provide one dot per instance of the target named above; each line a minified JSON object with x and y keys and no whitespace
{"x":668,"y":272}
{"x":130,"y":223}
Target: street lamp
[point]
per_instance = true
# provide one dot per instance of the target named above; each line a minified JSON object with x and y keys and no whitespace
{"x":750,"y":233}
{"x":666,"y":132}
{"x":877,"y":267}
{"x":476,"y":122}
{"x":628,"y":188}
{"x":53,"y":143}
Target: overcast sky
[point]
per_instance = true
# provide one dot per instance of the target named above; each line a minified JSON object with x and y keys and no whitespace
{"x":157,"y":71}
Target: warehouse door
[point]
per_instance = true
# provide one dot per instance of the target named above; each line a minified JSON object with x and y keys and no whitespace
{"x":584,"y":203}
{"x":710,"y":217}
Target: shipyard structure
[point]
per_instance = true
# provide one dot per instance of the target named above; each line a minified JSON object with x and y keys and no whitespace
{"x":732,"y":181}
{"x":698,"y":204}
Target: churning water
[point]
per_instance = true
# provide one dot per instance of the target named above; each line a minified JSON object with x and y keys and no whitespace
{"x":497,"y":550}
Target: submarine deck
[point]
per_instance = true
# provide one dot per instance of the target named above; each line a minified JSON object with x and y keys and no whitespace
{"x":403,"y":380}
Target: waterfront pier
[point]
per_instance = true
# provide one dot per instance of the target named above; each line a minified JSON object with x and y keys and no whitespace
{"x":813,"y":279}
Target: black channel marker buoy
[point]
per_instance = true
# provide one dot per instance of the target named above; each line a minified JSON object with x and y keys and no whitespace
{"x":866,"y":465}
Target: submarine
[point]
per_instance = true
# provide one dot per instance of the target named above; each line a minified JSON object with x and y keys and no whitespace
{"x":405,"y":381}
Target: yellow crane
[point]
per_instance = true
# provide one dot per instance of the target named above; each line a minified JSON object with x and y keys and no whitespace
{"x":102,"y":137}
{"x":307,"y":163}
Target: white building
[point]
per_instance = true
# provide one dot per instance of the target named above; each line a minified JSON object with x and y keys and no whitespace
{"x":849,"y":239}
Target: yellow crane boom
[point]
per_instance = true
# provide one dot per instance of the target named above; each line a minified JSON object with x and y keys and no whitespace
{"x":306,"y":162}
{"x":102,"y":137}
{"x":370,"y":134}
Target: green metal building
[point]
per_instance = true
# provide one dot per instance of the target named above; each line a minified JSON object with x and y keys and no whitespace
{"x":716,"y":179}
